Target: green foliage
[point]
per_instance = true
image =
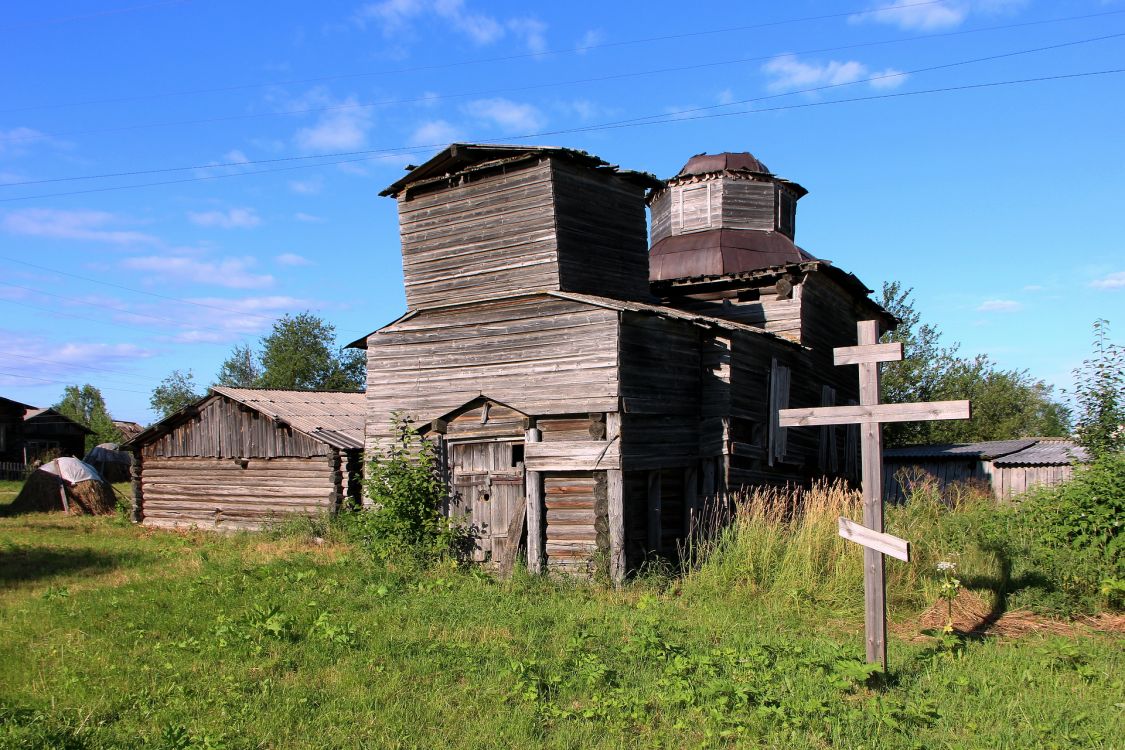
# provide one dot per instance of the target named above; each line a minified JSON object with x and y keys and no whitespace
{"x":240,"y":369}
{"x":174,"y":393}
{"x":404,"y":485}
{"x":1100,"y":395}
{"x":85,"y":405}
{"x":1006,"y":403}
{"x":298,"y":354}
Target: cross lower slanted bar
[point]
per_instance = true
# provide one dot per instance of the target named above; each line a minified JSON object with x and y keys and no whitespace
{"x":870,"y":415}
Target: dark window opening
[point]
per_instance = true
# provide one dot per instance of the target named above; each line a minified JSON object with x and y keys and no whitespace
{"x":517,"y":455}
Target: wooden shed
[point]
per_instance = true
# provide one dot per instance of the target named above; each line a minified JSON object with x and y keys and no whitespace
{"x":241,"y":457}
{"x":566,"y":387}
{"x":47,"y":433}
{"x":1005,"y":467}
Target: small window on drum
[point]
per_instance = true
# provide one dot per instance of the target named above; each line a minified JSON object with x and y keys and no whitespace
{"x":786,"y":213}
{"x":517,"y":455}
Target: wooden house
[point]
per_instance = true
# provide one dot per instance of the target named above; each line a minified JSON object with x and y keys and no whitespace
{"x":46,"y":432}
{"x":241,"y":457}
{"x":574,"y":381}
{"x":1005,"y":467}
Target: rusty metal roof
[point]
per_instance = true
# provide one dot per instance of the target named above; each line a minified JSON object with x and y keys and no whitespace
{"x":719,"y":252}
{"x":333,"y":417}
{"x":459,"y":157}
{"x":1046,"y":452}
{"x":728,"y":161}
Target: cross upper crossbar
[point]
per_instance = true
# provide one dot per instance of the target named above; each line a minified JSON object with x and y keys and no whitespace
{"x":881,"y":413}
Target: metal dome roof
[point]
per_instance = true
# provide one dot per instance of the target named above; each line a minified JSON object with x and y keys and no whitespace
{"x":707,"y":163}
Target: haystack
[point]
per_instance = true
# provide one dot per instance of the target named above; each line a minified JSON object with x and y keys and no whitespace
{"x":65,"y":484}
{"x":111,"y":463}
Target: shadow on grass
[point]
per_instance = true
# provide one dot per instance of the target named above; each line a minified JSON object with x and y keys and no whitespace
{"x":25,"y":564}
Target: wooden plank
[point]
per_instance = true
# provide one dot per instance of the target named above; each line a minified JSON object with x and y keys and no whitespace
{"x":874,"y":413}
{"x":576,"y":455}
{"x":512,"y":543}
{"x":654,"y":529}
{"x":871,"y":439}
{"x":615,"y":490}
{"x":855,"y":355}
{"x":533,"y":489}
{"x":886,"y":544}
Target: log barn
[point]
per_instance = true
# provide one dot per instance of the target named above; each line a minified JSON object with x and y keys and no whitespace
{"x":242,"y":457}
{"x":591,"y":387}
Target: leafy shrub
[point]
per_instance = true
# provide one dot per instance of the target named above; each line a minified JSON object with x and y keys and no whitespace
{"x":405,"y":488}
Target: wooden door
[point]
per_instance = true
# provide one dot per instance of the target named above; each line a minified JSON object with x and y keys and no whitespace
{"x":488,"y":490}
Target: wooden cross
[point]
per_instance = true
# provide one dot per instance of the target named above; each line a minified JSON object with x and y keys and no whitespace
{"x":870,"y":416}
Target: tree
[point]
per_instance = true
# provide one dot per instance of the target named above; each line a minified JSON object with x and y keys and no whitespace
{"x":241,"y":369}
{"x":174,"y":393}
{"x":300,"y":354}
{"x":1006,"y":403}
{"x":85,"y":405}
{"x":1099,"y":395}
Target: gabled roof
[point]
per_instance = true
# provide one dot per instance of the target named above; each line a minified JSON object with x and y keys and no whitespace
{"x":50,"y":416}
{"x":1023,"y":451}
{"x":335,"y":418}
{"x":608,"y":303}
{"x":462,"y":157}
{"x":1046,"y":452}
{"x":17,"y":404}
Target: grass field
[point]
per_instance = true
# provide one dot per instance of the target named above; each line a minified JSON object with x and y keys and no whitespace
{"x":112,"y":636}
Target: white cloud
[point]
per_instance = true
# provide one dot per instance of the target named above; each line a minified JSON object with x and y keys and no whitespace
{"x":235,"y":218}
{"x":220,"y":319}
{"x":913,"y":15}
{"x":80,"y":224}
{"x":397,"y":17}
{"x":435,"y":133}
{"x":507,"y":114}
{"x":533,"y":31}
{"x":309,"y":218}
{"x":310,"y":186}
{"x":591,"y":38}
{"x":999,"y":305}
{"x":1114,"y":280}
{"x":229,"y":272}
{"x":343,"y":127}
{"x":26,"y":355}
{"x":1033,"y":288}
{"x":726,"y":96}
{"x":17,"y":141}
{"x":789,"y":72}
{"x":292,"y":259}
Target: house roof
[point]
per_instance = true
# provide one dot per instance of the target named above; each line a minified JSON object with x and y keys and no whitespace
{"x":608,"y":303}
{"x":335,"y":418}
{"x":1046,"y":452}
{"x":462,"y":157}
{"x":1021,"y":452}
{"x":720,"y":252}
{"x":128,"y":429}
{"x":50,"y":416}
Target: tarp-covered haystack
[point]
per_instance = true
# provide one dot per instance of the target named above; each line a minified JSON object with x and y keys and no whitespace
{"x":65,"y":484}
{"x":111,"y":463}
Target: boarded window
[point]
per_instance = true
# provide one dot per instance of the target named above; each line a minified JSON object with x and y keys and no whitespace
{"x":786,"y":212}
{"x":695,"y":207}
{"x":779,"y":399}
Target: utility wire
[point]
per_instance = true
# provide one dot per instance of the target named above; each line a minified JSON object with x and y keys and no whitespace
{"x":20,"y":137}
{"x":319,"y":159}
{"x":480,"y":61}
{"x":78,"y":366}
{"x":66,"y":382}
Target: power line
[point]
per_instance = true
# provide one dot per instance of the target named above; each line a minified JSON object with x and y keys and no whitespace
{"x":19,"y":137}
{"x":77,"y":366}
{"x":65,"y":382}
{"x":478,"y":61}
{"x":367,"y":154}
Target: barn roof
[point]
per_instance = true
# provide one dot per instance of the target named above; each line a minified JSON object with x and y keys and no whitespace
{"x":50,"y":416}
{"x":332,"y":417}
{"x":721,"y":252}
{"x":461,"y":157}
{"x":1022,"y":452}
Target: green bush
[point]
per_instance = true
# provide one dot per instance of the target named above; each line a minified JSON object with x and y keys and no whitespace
{"x":405,"y":488}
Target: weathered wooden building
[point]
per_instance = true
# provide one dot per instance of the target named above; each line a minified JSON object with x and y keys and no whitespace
{"x":1006,"y":468}
{"x":241,"y":457}
{"x":28,"y":434}
{"x":604,"y":392}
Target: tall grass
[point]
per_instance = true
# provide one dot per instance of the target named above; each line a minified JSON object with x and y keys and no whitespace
{"x":781,"y":545}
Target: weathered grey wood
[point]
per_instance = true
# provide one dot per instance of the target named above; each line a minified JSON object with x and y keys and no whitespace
{"x":883,"y":543}
{"x":874,"y":413}
{"x":512,"y":546}
{"x":136,"y":514}
{"x":615,"y":490}
{"x":691,"y":500}
{"x":854,"y":355}
{"x":534,"y":509}
{"x":871,"y":456}
{"x":654,"y":512}
{"x":587,"y":455}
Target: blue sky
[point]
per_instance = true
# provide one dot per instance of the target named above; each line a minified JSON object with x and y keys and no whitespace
{"x":174,"y":175}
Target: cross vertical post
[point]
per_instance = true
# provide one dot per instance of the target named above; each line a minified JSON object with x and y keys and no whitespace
{"x":871,"y":452}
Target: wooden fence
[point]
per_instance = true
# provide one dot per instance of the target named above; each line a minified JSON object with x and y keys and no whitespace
{"x":14,"y":470}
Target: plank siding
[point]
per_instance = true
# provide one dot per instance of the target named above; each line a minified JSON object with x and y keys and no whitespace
{"x":749,"y":204}
{"x":539,"y":354}
{"x":575,"y":516}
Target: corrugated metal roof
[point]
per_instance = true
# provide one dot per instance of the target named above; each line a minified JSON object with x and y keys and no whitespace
{"x":719,"y":252}
{"x":1050,"y":452}
{"x":987,"y":450}
{"x":707,"y":163}
{"x":333,"y":417}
